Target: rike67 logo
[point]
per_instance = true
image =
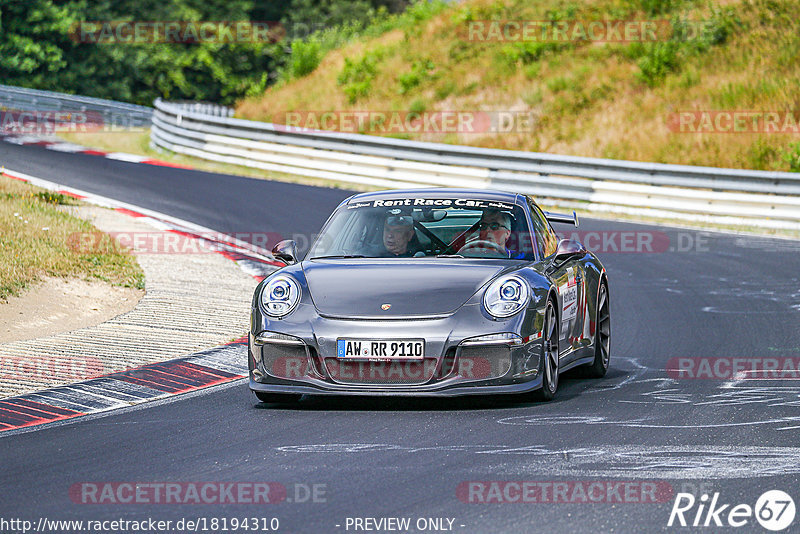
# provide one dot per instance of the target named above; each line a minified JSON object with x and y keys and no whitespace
{"x":774,"y":510}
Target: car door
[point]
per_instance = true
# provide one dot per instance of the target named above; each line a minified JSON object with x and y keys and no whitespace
{"x":568,"y":277}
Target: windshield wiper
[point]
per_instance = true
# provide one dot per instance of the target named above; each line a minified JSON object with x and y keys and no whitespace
{"x":450,"y":256}
{"x":339,"y":256}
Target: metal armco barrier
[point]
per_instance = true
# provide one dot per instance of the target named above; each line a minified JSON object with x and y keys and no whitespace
{"x":677,"y":192}
{"x":114,"y":114}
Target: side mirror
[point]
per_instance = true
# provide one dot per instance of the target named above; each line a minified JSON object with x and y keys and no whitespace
{"x":285,"y":251}
{"x":568,"y":248}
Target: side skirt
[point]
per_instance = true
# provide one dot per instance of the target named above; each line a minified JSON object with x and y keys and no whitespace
{"x":576,"y":363}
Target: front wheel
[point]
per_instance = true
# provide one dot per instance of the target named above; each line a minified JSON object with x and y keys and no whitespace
{"x":277,"y":398}
{"x":549,"y":355}
{"x":602,"y":336}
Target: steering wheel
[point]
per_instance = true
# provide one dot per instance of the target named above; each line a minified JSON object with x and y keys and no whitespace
{"x":485,"y":245}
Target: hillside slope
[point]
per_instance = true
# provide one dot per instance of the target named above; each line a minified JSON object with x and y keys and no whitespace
{"x":605,"y":99}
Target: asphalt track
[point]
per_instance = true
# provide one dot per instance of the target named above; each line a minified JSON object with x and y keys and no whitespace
{"x":726,"y":296}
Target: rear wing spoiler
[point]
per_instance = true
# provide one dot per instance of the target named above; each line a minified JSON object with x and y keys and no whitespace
{"x":561,"y":218}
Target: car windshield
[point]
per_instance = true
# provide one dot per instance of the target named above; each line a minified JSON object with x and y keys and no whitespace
{"x":426,"y":227}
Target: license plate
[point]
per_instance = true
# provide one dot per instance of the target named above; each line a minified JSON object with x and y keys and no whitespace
{"x":385,"y":349}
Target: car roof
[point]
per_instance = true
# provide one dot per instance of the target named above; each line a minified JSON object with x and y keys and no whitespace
{"x":436,"y":192}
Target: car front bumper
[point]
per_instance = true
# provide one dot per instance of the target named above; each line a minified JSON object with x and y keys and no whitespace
{"x":300,"y":357}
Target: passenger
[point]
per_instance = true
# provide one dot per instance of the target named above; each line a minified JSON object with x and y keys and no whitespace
{"x":398,"y":231}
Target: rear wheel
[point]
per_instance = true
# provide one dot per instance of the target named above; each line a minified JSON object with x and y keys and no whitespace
{"x":549,"y":355}
{"x":277,"y":398}
{"x":602,"y":337}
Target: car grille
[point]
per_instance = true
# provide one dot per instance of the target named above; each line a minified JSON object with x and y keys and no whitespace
{"x":398,"y":373}
{"x":285,"y":361}
{"x":482,"y":362}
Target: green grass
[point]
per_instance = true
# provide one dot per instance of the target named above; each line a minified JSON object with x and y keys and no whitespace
{"x":38,"y":239}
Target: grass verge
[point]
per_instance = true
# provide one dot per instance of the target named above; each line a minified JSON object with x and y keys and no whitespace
{"x":35,"y":238}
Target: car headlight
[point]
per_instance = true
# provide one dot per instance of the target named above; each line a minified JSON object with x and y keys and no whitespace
{"x":506,"y":296}
{"x":280,"y":296}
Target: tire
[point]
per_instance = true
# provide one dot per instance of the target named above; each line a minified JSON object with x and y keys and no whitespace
{"x":277,"y":398}
{"x":602,"y":338}
{"x":549,"y":355}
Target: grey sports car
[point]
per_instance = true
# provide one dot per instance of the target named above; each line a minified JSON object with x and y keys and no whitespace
{"x":430,"y":292}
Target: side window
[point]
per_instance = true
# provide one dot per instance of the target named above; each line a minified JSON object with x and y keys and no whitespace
{"x":546,"y":239}
{"x":521,"y":241}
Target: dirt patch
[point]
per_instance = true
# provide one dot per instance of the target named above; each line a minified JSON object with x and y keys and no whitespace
{"x":56,"y":305}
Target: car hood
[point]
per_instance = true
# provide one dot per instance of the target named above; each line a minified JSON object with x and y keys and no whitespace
{"x":414,"y":287}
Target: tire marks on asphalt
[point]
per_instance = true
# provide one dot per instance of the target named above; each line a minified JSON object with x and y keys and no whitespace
{"x":636,"y":461}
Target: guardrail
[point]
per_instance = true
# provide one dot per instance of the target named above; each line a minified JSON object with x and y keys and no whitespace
{"x":679,"y":192}
{"x":112,"y":114}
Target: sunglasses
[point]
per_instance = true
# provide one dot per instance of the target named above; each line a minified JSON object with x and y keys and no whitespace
{"x":492,"y":226}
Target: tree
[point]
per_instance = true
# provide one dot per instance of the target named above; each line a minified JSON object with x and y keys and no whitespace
{"x":33,"y":41}
{"x":39,"y":47}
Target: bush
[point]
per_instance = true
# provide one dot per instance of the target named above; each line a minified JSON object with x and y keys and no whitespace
{"x":689,"y":37}
{"x":420,"y":71}
{"x":357,"y":75}
{"x":417,"y":106}
{"x":304,"y":58}
{"x":792,"y":157}
{"x":412,"y":19}
{"x":445,"y":90}
{"x":701,"y":35}
{"x":558,"y":84}
{"x":655,"y":7}
{"x":658,"y":60}
{"x":462,"y":50}
{"x":762,"y":155}
{"x":567,"y":12}
{"x":528,"y":52}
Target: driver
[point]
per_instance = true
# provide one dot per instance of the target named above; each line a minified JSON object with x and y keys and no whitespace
{"x":495,"y":226}
{"x":398,"y":230}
